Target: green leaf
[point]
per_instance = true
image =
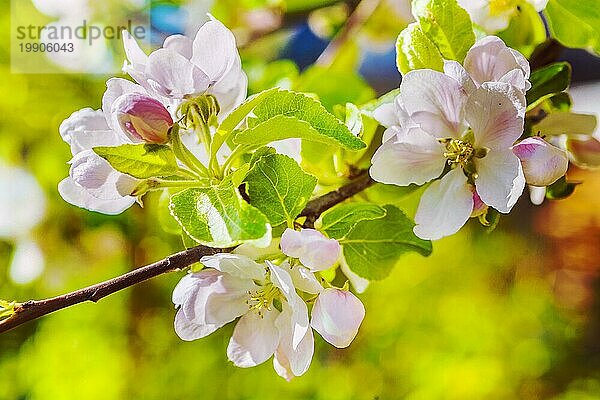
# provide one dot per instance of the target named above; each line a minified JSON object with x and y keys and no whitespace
{"x":526,"y":30}
{"x":217,"y":216}
{"x":561,"y":189}
{"x":575,"y":23}
{"x":372,"y":247}
{"x":414,"y":50}
{"x":286,"y":114}
{"x":547,"y":81}
{"x":278,"y":187}
{"x":338,"y":221}
{"x":237,"y":116}
{"x":140,"y":160}
{"x":447,"y":25}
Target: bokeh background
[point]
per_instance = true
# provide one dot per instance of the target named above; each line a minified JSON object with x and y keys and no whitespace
{"x":511,"y":314}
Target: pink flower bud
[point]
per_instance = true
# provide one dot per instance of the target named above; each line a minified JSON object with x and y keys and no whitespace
{"x":542,"y":163}
{"x":142,"y":118}
{"x":337,"y":315}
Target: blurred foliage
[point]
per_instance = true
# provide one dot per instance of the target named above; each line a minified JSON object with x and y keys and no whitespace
{"x":513,"y":314}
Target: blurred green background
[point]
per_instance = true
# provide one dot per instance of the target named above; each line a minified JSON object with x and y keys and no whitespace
{"x":511,"y":314}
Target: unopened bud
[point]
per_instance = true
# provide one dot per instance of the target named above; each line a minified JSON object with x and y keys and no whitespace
{"x":143,"y":118}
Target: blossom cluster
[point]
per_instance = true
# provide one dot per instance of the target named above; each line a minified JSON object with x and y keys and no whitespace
{"x":460,"y":130}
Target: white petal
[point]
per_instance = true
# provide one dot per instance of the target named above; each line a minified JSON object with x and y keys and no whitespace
{"x":460,"y":74}
{"x":539,"y":5}
{"x":183,"y":288}
{"x":543,"y":164}
{"x":74,"y":194}
{"x":500,"y":181}
{"x":490,"y":59}
{"x":435,"y":101}
{"x":311,"y":247}
{"x":517,"y":79}
{"x":337,"y":315}
{"x":299,"y":312}
{"x":537,"y":195}
{"x":189,"y":330}
{"x":444,"y":207}
{"x":87,"y":128}
{"x":293,"y":359}
{"x":172,"y":75}
{"x":230,"y":90}
{"x":305,"y":280}
{"x":493,"y":117}
{"x":214,"y":49}
{"x":359,"y":284}
{"x":180,"y":44}
{"x":235,"y":264}
{"x":386,"y":115}
{"x":413,"y":156}
{"x":134,"y":53}
{"x":254,"y":339}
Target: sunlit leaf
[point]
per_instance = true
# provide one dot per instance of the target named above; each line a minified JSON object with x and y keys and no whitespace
{"x":140,"y":160}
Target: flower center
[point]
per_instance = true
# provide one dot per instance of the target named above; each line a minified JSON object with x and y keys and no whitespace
{"x":264,"y":299}
{"x":458,"y":151}
{"x":499,"y":7}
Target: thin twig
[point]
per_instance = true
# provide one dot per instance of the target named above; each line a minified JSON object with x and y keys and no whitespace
{"x":34,"y":309}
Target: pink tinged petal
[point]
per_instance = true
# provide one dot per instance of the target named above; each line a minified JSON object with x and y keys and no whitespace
{"x":413,"y":156}
{"x":172,"y":75}
{"x":584,"y":151}
{"x":142,"y":117}
{"x":444,"y":207}
{"x":543,"y":164}
{"x":517,"y":79}
{"x":299,"y":312}
{"x":479,"y":207}
{"x":292,"y":359}
{"x":494,"y":119}
{"x":311,"y":247}
{"x":236,"y":265}
{"x":490,"y":59}
{"x":337,"y":315}
{"x":460,"y":74}
{"x":537,"y":195}
{"x":254,"y":339}
{"x":214,"y":50}
{"x":115,"y":88}
{"x":500,"y":180}
{"x":76,"y":195}
{"x":180,"y":44}
{"x":189,"y":330}
{"x":435,"y":102}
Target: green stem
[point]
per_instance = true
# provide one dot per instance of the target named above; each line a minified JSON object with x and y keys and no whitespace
{"x":235,"y":154}
{"x":185,"y":155}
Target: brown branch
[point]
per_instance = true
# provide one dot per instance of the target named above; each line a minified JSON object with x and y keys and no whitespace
{"x":34,"y":309}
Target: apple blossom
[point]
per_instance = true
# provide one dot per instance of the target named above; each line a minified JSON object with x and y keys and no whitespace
{"x":185,"y":68}
{"x":543,"y":164}
{"x":311,"y":247}
{"x":274,"y":319}
{"x":471,"y":133}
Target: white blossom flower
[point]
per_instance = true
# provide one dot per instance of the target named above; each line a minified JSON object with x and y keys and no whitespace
{"x":274,"y":319}
{"x":209,"y":64}
{"x":473,"y":134}
{"x":543,"y":164}
{"x":311,"y":247}
{"x":495,"y":15}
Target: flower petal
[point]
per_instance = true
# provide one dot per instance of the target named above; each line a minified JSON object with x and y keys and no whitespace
{"x":305,"y":280}
{"x":214,"y":49}
{"x":311,"y":247}
{"x":87,"y":128}
{"x":292,"y":359}
{"x":537,"y":195}
{"x":493,"y":117}
{"x":359,"y":283}
{"x":490,"y":59}
{"x":254,"y":339}
{"x":543,"y":164}
{"x":435,"y":102}
{"x":413,"y":156}
{"x":180,"y":44}
{"x":500,"y":180}
{"x":172,"y":75}
{"x":460,"y":74}
{"x":235,"y":264}
{"x":337,"y":315}
{"x":444,"y":207}
{"x":189,"y":330}
{"x":74,"y":194}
